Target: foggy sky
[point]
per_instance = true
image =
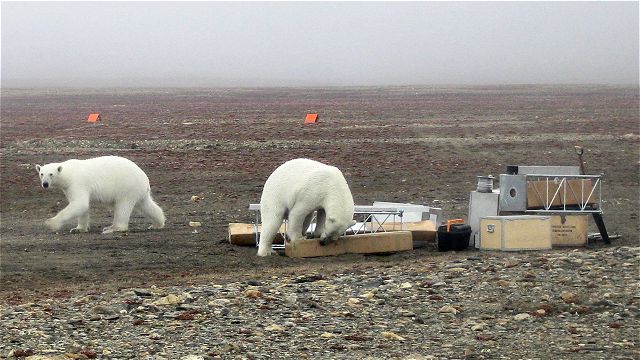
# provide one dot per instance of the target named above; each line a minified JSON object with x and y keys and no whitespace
{"x":317,"y":43}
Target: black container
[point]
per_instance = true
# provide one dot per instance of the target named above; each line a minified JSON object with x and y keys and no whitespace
{"x":457,"y":238}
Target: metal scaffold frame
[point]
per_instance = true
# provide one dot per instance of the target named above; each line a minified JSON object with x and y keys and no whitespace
{"x":557,"y":191}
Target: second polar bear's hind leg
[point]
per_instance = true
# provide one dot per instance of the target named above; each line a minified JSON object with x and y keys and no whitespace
{"x":270,"y":228}
{"x":151,"y":210}
{"x":121,"y":215}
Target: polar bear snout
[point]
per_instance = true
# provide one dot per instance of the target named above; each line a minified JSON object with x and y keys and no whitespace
{"x":45,"y":184}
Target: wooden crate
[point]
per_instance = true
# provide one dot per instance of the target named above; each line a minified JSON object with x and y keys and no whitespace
{"x":577,"y":191}
{"x":515,"y":233}
{"x":569,"y":230}
{"x":384,"y":242}
{"x":244,"y":234}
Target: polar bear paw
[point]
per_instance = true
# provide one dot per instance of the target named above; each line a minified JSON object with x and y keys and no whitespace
{"x":78,"y":229}
{"x":267,"y":252}
{"x":52,"y":224}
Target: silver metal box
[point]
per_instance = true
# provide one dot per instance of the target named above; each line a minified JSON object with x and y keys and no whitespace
{"x":513,"y":192}
{"x":481,"y":205}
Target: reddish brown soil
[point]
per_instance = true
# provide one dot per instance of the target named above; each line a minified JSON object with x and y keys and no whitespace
{"x":395,"y":144}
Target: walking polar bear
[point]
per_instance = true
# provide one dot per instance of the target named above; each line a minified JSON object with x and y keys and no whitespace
{"x":294,"y":191}
{"x":108,"y":179}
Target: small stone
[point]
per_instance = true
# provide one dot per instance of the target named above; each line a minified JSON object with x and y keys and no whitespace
{"x":448,"y":310}
{"x":353,"y":301}
{"x":541,"y":312}
{"x":103,"y":310}
{"x":192,"y":357}
{"x":477,"y":327}
{"x":219,"y":302}
{"x":142,"y":292}
{"x":511,"y":263}
{"x":569,"y":297}
{"x":195,"y":223}
{"x":326,"y":335}
{"x":367,"y":295}
{"x":254,"y":283}
{"x":195,"y":198}
{"x":308,"y":278}
{"x":392,"y":336}
{"x":406,"y":285}
{"x":74,"y":321}
{"x":170,"y":299}
{"x":522,"y":317}
{"x":274,"y":328}
{"x":253,"y":293}
{"x":21,"y":353}
{"x":456,"y":269}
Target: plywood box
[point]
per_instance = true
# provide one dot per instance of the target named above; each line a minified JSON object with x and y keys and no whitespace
{"x":514,"y":233}
{"x":572,"y":192}
{"x":569,"y":230}
{"x":244,"y":234}
{"x":384,"y":242}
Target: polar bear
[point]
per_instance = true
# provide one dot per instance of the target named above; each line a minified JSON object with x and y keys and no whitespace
{"x":108,"y":179}
{"x":294,"y":191}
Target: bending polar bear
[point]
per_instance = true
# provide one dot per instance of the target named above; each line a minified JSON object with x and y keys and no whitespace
{"x":109,"y":179}
{"x":294,"y":191}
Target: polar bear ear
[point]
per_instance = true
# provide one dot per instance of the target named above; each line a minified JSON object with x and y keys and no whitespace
{"x":60,"y":168}
{"x":37,"y":168}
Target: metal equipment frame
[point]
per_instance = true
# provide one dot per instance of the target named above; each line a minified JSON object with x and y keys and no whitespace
{"x":558,"y":182}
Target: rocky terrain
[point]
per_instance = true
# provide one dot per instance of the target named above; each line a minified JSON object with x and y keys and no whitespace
{"x":571,"y":304}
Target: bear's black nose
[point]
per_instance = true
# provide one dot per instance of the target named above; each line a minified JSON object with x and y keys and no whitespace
{"x":45,"y":185}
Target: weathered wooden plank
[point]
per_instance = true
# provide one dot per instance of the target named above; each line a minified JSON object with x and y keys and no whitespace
{"x":352,"y":244}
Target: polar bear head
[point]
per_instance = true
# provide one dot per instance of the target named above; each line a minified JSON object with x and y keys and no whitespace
{"x":49,"y":174}
{"x":334,"y":228}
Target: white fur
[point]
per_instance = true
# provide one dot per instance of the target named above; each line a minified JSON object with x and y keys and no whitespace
{"x":108,"y":179}
{"x":295,"y":190}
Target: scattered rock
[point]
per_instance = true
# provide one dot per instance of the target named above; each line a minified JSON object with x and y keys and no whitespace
{"x":308,"y":278}
{"x":569,"y":297}
{"x":352,"y":312}
{"x":448,"y":310}
{"x":274,"y":328}
{"x":170,"y":299}
{"x":142,"y":292}
{"x":392,"y":336}
{"x":253,"y":293}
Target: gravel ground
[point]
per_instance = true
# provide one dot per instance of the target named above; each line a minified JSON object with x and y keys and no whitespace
{"x":576,"y":304}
